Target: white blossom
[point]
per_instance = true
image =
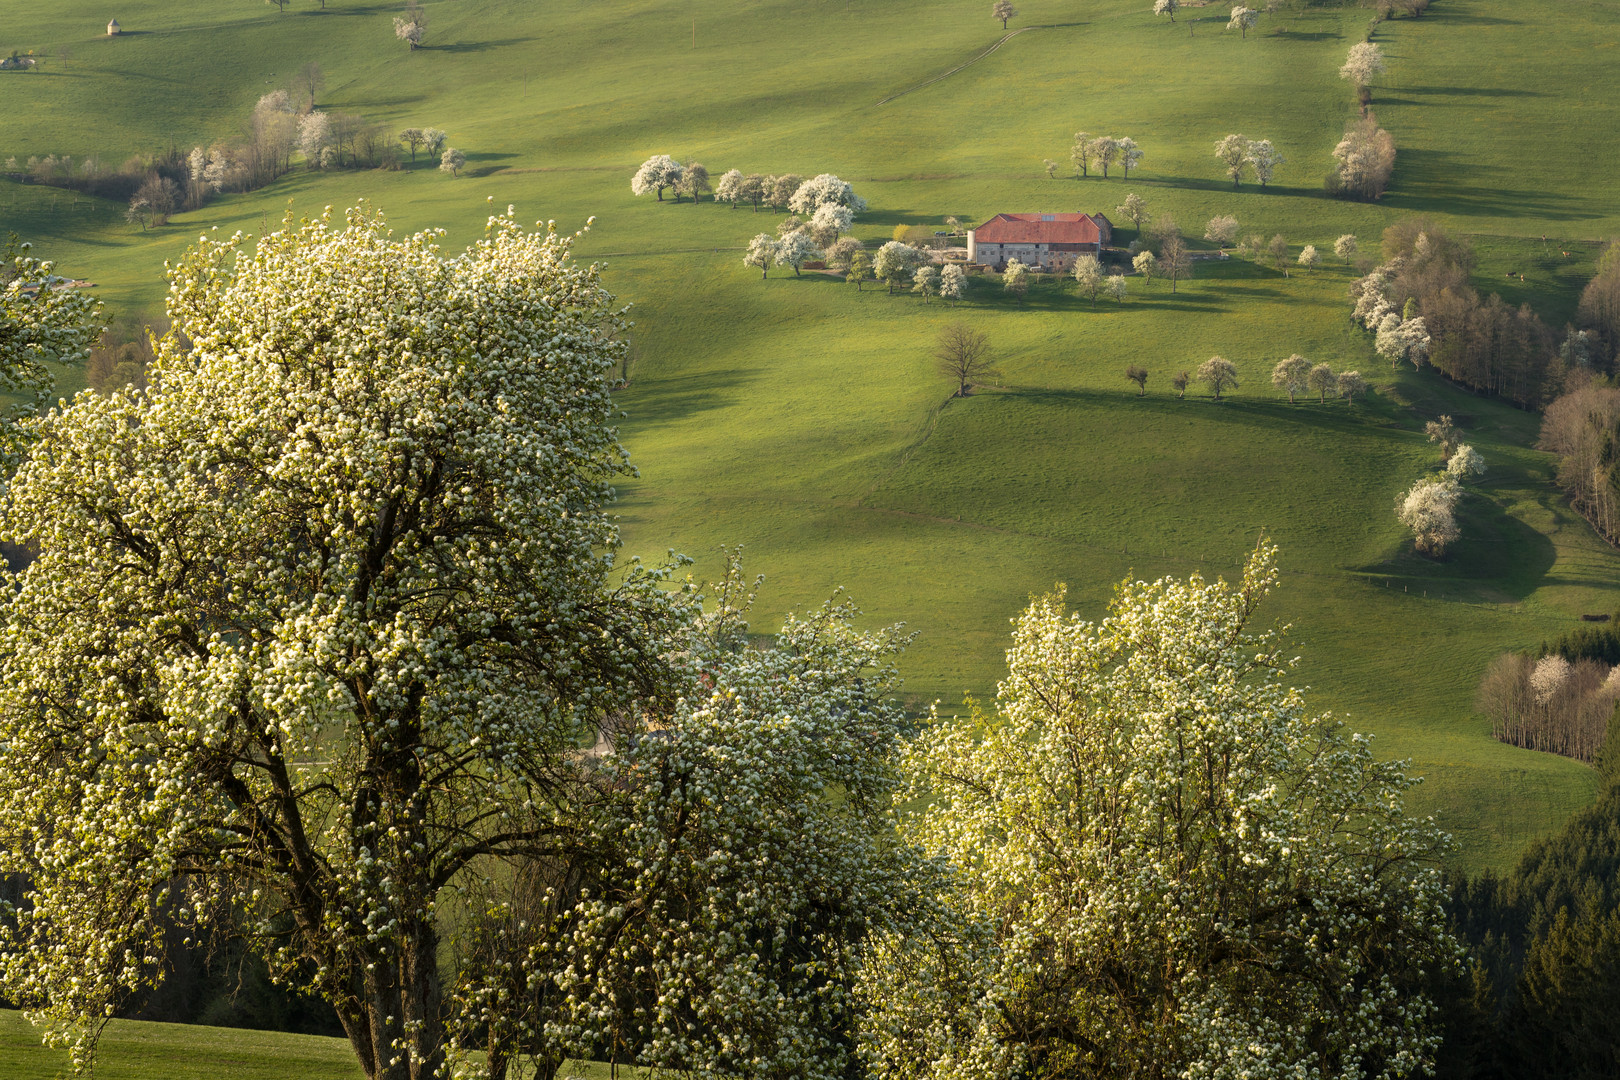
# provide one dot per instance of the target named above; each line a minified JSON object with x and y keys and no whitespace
{"x":656,"y":173}
{"x":1429,"y":510}
{"x":1159,"y":844}
{"x":825,"y":190}
{"x":1364,"y":62}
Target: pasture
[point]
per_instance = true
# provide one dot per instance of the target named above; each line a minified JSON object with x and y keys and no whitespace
{"x":804,"y":419}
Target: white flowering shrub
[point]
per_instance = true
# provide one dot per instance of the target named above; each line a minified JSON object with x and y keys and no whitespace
{"x":318,"y":621}
{"x":1168,"y":866}
{"x":40,"y":325}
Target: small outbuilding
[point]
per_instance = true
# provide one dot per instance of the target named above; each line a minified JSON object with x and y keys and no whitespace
{"x":113,"y":28}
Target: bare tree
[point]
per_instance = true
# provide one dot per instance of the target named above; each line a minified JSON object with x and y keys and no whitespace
{"x":1278,"y":250}
{"x":311,"y":79}
{"x":1178,"y":383}
{"x":1139,"y":376}
{"x":1175,"y":261}
{"x":964,"y":354}
{"x":414,"y":139}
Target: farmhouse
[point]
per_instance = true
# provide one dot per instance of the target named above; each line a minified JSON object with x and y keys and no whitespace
{"x":1051,"y":241}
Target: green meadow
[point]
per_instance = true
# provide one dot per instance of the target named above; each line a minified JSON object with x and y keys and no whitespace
{"x":804,"y":419}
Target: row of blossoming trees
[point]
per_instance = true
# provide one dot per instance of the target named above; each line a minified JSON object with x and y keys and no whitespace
{"x":326,"y":646}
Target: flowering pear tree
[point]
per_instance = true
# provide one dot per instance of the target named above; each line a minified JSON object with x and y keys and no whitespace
{"x":713,"y":915}
{"x":953,"y":283}
{"x":1345,"y":246}
{"x":39,"y":325}
{"x":1292,"y":376}
{"x":762,"y":251}
{"x":318,"y":622}
{"x":1363,"y":63}
{"x":656,"y":173}
{"x":824,"y":190}
{"x":1350,"y":384}
{"x":1168,"y":865}
{"x":1243,"y":20}
{"x":1466,"y":464}
{"x":1233,"y":150}
{"x":1218,"y":373}
{"x":730,"y":188}
{"x":1263,"y":158}
{"x":1429,"y":509}
{"x":1167,"y":8}
{"x":894,"y":263}
{"x":1322,"y":379}
{"x":795,"y":249}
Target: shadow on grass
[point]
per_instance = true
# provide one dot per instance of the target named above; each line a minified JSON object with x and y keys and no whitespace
{"x":476,"y":46}
{"x":679,"y":397}
{"x":1499,"y":558}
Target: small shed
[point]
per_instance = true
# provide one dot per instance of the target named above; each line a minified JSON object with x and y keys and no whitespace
{"x":113,"y":28}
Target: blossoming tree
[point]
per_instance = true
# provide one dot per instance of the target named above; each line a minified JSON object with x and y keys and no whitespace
{"x":1168,"y":865}
{"x":317,"y":621}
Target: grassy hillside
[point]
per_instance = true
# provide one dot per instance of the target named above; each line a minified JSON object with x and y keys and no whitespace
{"x":805,"y":420}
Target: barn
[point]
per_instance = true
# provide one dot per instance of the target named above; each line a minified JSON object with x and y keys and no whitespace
{"x":1050,"y":241}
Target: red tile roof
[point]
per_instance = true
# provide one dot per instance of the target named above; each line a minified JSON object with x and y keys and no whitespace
{"x":1038,"y":229}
